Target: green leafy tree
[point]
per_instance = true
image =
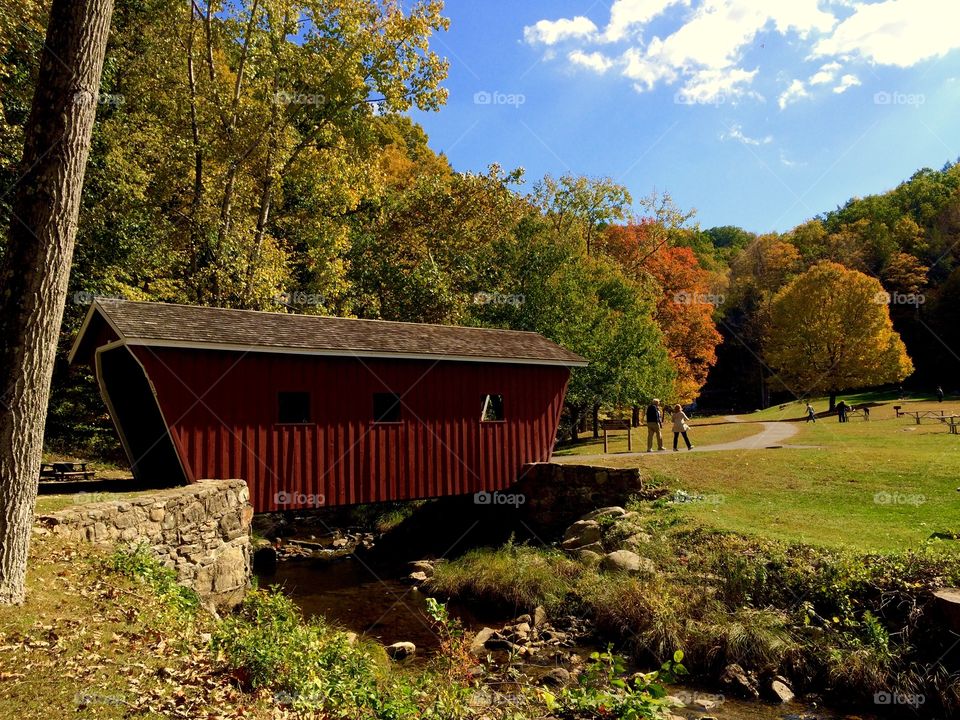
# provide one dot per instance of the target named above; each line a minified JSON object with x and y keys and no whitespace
{"x":586,"y":304}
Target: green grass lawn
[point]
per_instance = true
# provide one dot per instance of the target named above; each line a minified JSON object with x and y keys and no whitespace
{"x":707,"y":431}
{"x":882,"y":485}
{"x":53,"y":503}
{"x":887,"y":398}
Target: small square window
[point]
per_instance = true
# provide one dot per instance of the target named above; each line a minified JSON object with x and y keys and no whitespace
{"x":491,"y":409}
{"x":293,"y":407}
{"x":386,"y":407}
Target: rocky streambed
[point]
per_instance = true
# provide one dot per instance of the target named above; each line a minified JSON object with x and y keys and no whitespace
{"x":335,"y":573}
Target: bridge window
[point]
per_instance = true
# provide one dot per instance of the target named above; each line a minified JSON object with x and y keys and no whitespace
{"x":386,"y":408}
{"x":491,"y":409}
{"x":293,"y":407}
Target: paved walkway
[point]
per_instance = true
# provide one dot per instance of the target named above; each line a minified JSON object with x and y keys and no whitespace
{"x":772,"y":434}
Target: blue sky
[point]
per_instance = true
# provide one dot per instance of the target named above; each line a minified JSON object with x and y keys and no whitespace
{"x":758,"y":113}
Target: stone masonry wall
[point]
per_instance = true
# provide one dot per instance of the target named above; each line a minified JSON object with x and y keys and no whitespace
{"x":201,"y":530}
{"x":557,"y":494}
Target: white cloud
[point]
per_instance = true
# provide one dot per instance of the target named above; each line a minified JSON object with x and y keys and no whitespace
{"x":720,"y":30}
{"x":646,"y":72}
{"x":825,"y":74}
{"x":715,"y":86}
{"x":596,"y":61}
{"x":895,"y":32}
{"x":627,"y":15}
{"x":796,"y":91}
{"x":787,"y":162}
{"x":705,"y":52}
{"x":846,"y":82}
{"x":736,"y":133}
{"x":550,"y":32}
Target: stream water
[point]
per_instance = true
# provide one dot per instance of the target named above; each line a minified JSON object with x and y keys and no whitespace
{"x":375,"y":601}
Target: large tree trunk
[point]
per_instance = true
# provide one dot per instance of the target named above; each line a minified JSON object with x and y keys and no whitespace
{"x":36,"y":266}
{"x":596,"y":420}
{"x":833,"y":401}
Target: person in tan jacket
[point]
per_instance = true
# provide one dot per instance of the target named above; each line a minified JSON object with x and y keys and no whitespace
{"x":680,"y":427}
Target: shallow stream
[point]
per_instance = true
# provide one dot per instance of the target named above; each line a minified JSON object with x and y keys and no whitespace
{"x":374,"y":600}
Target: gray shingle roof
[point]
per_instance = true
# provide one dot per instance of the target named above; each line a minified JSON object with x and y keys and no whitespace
{"x":160,"y":324}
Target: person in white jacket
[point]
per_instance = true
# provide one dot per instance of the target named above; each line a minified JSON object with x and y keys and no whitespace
{"x":680,"y":427}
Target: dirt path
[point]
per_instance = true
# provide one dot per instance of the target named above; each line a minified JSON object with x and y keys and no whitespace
{"x":772,"y":434}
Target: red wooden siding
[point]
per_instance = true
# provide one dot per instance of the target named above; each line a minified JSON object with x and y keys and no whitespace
{"x":222,"y":409}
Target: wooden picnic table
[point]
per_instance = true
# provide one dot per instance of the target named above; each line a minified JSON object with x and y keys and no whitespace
{"x":952,"y":420}
{"x":60,"y":471}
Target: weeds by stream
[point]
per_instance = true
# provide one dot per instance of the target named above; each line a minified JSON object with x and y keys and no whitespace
{"x":847,"y":627}
{"x":146,"y":648}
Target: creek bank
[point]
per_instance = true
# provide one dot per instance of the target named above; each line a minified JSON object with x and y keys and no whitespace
{"x":386,"y":600}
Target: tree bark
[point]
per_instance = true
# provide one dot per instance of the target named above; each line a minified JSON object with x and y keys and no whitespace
{"x":596,"y":420}
{"x":833,"y":401}
{"x":574,"y":423}
{"x":36,"y":266}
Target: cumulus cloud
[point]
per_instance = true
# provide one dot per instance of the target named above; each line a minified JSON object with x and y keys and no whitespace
{"x":645,"y":72}
{"x":736,"y":133}
{"x":825,"y":74}
{"x":550,"y":32}
{"x":796,"y":91}
{"x":846,"y":82}
{"x":713,"y":86}
{"x":895,"y":32}
{"x":628,"y":15}
{"x":595,"y":61}
{"x":705,"y":51}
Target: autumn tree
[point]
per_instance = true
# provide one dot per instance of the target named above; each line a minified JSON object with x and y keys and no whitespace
{"x":36,"y":262}
{"x":684,"y":312}
{"x":247,"y":135}
{"x":830,"y":331}
{"x":684,"y":299}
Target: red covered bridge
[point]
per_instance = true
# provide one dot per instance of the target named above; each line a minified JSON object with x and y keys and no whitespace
{"x":315,"y":411}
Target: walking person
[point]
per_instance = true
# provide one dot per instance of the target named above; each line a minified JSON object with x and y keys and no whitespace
{"x":680,"y":427}
{"x":939,"y":394}
{"x":654,"y":425}
{"x":811,"y":415}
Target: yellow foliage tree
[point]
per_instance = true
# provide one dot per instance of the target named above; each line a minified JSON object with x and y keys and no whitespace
{"x":830,"y":331}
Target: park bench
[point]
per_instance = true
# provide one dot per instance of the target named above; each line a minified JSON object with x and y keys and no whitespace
{"x":859,"y":412}
{"x":61,"y":471}
{"x":608,"y":425}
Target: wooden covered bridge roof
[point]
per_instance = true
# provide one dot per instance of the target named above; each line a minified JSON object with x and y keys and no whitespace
{"x":190,"y":326}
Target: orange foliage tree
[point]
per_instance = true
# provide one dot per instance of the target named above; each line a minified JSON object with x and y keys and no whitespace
{"x":684,"y":309}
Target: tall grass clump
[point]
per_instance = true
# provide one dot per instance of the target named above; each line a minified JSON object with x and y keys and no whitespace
{"x":513,"y":576}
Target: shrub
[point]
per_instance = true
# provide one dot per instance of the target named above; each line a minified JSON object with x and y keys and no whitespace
{"x":305,"y":663}
{"x":138,"y":563}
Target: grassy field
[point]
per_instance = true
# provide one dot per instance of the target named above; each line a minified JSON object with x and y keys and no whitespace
{"x":707,"y":431}
{"x":882,"y":485}
{"x":53,"y":503}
